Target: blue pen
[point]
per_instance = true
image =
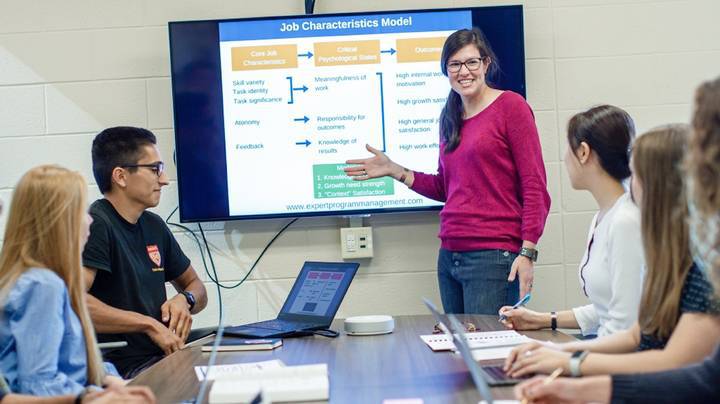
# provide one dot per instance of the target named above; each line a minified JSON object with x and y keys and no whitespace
{"x":520,"y":302}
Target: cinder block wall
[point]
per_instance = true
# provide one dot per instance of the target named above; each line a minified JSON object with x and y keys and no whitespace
{"x":70,"y":68}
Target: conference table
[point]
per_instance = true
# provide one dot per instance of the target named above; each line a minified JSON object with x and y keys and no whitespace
{"x":362,"y":369}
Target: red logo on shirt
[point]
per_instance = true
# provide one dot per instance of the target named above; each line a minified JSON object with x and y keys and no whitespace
{"x":154,"y":254}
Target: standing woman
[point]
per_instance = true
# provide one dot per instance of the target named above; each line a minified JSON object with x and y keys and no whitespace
{"x":47,"y":341}
{"x":611,"y":270}
{"x":491,"y":177}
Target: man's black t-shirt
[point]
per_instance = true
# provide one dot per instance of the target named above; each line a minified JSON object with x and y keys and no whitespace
{"x":133,"y":262}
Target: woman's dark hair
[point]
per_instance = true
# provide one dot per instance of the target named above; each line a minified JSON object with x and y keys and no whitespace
{"x":609,"y":131}
{"x":451,"y":118}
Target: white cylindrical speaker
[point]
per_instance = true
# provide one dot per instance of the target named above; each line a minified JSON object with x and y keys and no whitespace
{"x":369,"y":325}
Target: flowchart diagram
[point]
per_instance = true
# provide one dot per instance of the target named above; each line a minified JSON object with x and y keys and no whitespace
{"x":296,"y":108}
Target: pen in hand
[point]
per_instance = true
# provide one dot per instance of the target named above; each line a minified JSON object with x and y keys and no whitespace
{"x":520,"y":302}
{"x":547,"y":381}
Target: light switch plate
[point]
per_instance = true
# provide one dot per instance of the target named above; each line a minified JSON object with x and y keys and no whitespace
{"x":356,"y":242}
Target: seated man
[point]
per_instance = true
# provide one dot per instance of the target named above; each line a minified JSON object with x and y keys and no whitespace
{"x":131,"y":253}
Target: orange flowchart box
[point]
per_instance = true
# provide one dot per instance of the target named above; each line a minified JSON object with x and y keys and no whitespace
{"x":419,"y":49}
{"x":347,"y":53}
{"x":264,"y":57}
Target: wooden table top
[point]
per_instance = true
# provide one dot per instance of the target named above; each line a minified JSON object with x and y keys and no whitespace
{"x":364,"y":369}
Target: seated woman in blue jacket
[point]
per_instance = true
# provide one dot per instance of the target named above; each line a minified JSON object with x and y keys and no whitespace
{"x":47,"y":342}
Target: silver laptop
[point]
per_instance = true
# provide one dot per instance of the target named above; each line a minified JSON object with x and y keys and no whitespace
{"x":311,"y":305}
{"x":457,"y":331}
{"x":493,"y":374}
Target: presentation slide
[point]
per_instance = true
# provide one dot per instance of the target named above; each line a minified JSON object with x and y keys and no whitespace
{"x":303,"y":95}
{"x":317,"y":293}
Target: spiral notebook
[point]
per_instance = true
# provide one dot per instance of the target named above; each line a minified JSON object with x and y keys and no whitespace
{"x":477,"y":340}
{"x":484,"y":345}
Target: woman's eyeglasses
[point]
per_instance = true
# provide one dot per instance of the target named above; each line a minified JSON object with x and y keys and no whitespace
{"x":471,"y":64}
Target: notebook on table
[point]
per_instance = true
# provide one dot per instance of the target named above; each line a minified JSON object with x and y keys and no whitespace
{"x":311,"y":305}
{"x":243,"y":344}
{"x":493,"y":375}
{"x":279,"y":384}
{"x":477,"y":340}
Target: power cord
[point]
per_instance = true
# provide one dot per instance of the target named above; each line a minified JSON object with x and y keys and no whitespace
{"x":309,"y":6}
{"x":257,"y":260}
{"x":214,"y":277}
{"x":202,"y":255}
{"x":326,"y":332}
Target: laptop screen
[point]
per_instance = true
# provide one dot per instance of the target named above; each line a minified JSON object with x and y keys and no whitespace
{"x":318,"y":290}
{"x":458,"y":335}
{"x":441,"y":319}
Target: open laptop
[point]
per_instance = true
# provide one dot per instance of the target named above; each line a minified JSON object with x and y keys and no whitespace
{"x":457,"y":331}
{"x":494,"y":375}
{"x":313,"y":301}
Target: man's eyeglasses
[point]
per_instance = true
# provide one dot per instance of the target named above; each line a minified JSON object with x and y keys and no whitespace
{"x":158,"y":168}
{"x":471,"y":64}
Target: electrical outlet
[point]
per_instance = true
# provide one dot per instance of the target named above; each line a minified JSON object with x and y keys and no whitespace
{"x":356,"y":242}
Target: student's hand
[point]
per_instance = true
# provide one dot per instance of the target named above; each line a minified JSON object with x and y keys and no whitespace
{"x":524,"y":268}
{"x":176,"y":314}
{"x":374,"y":167}
{"x":128,"y":395}
{"x":168,"y":341}
{"x":565,"y":390}
{"x":523,"y":319}
{"x":535,"y":357}
{"x":114,"y":382}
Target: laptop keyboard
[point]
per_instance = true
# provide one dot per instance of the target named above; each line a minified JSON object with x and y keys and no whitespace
{"x":496,"y":372}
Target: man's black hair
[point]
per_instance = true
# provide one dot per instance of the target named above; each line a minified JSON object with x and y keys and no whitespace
{"x":114,"y":147}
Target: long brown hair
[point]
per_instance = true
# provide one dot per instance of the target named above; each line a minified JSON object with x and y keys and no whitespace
{"x":44,"y":230}
{"x":451,"y":117}
{"x":657,"y":163}
{"x":704,"y":168}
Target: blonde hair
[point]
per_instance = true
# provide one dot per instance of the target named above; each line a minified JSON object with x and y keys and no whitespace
{"x":657,"y":164}
{"x":43,"y":230}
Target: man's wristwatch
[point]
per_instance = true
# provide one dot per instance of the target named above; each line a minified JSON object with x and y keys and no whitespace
{"x":529,"y":253}
{"x":575,"y":361}
{"x":190,"y":298}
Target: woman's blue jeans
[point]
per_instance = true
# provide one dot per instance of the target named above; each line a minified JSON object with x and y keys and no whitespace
{"x":475,"y":282}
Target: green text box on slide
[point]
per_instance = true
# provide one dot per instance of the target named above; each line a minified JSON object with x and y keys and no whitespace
{"x":330,"y":181}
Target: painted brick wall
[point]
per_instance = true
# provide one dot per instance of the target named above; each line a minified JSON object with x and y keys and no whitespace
{"x":70,"y":68}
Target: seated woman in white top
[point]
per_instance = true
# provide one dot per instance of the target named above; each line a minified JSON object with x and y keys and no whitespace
{"x":611,"y":270}
{"x":677,"y":303}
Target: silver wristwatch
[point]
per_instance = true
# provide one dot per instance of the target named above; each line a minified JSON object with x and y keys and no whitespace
{"x":530,"y":253}
{"x":575,"y":361}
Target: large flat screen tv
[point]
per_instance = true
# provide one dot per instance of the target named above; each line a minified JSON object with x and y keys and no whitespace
{"x":267,"y":110}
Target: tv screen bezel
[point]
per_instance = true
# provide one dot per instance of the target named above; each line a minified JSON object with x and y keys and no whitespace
{"x":185,"y":217}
